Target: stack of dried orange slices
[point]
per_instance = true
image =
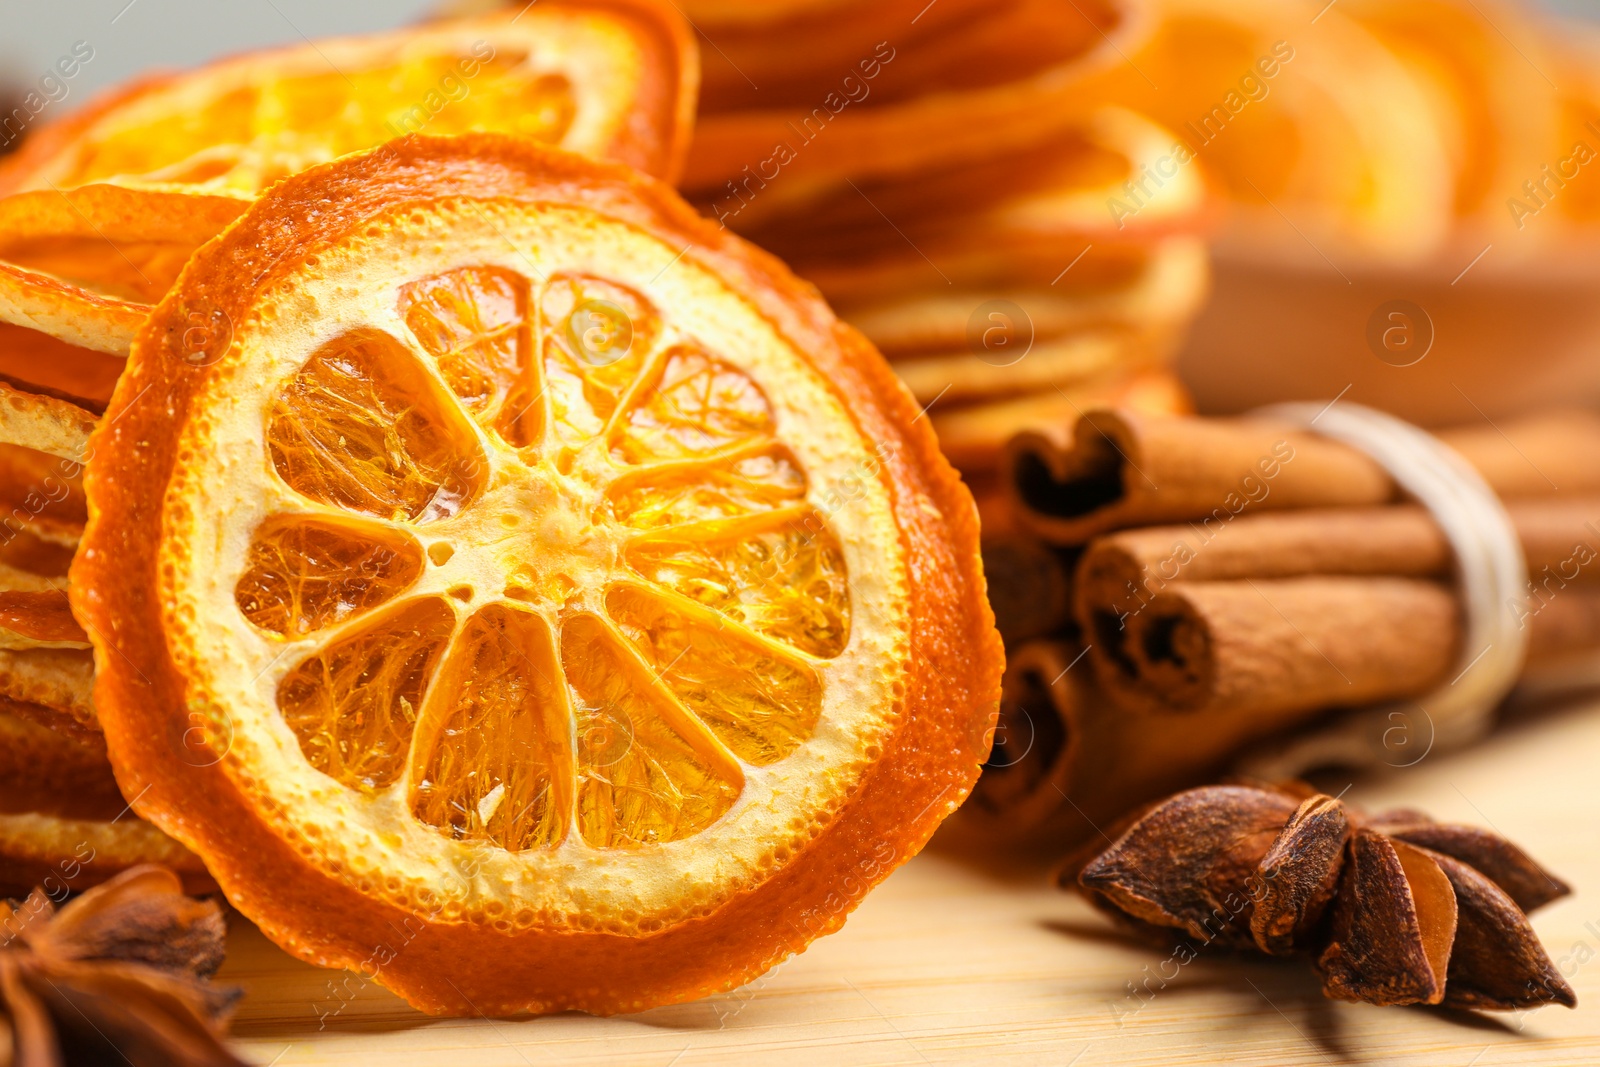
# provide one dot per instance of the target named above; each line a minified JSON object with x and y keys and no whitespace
{"x":99,"y":215}
{"x":63,"y":342}
{"x":63,"y":824}
{"x":504,"y":581}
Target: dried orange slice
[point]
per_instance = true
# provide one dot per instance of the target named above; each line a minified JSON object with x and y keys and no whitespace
{"x":44,"y":654}
{"x":1015,"y":219}
{"x":59,"y":339}
{"x":609,"y":78}
{"x":36,"y":308}
{"x":113,"y":241}
{"x":63,"y":825}
{"x":1096,"y":331}
{"x":79,"y":270}
{"x":878,"y":91}
{"x":1332,"y":129}
{"x":551,"y":576}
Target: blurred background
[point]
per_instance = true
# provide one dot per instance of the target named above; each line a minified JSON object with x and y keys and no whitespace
{"x":131,"y":39}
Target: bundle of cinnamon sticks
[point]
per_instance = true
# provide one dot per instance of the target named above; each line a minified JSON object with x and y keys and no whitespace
{"x":1175,"y":590}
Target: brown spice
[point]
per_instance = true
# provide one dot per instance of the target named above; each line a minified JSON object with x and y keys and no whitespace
{"x":1030,"y":586}
{"x":1113,"y":469}
{"x":1395,"y":909}
{"x":116,"y":975}
{"x":1277,"y":651}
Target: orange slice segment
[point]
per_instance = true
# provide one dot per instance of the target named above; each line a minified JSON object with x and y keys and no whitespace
{"x":609,"y":78}
{"x":634,"y":690}
{"x":496,"y":764}
{"x":353,"y":705}
{"x":648,"y":772}
{"x":761,"y":703}
{"x":784,"y":576}
{"x":307,"y":575}
{"x":362,"y":426}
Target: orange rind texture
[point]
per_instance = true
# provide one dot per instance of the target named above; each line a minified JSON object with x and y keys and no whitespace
{"x":632,"y":751}
{"x":609,"y":78}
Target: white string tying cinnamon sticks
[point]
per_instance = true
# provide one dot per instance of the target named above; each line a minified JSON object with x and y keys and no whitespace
{"x":1491,"y":578}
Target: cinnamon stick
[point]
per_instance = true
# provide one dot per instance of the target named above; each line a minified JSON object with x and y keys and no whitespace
{"x":1071,"y":753}
{"x":1560,"y":540}
{"x":1285,"y":580}
{"x":1067,"y":761}
{"x":1560,"y":537}
{"x":1274,"y":651}
{"x":1116,"y":469}
{"x":1562,"y":624}
{"x":1551,"y":454}
{"x":1037,"y":739}
{"x":1030,"y":586}
{"x":974,"y":437}
{"x":1270,"y":651}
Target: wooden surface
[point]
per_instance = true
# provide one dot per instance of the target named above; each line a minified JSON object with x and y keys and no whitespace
{"x":953,"y":961}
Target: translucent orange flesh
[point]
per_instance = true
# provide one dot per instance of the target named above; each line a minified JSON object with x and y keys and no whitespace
{"x":762,"y":482}
{"x":306,"y":575}
{"x":659,"y":625}
{"x":360,"y":428}
{"x":640,"y":782}
{"x":761,"y":705}
{"x":471,"y":322}
{"x":498,"y":766}
{"x":248,"y":137}
{"x":595,"y":338}
{"x":354,"y":704}
{"x":788,"y":583}
{"x":700,"y":404}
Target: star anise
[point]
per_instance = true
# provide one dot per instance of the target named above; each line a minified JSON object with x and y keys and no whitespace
{"x":1394,"y":908}
{"x":117,"y":975}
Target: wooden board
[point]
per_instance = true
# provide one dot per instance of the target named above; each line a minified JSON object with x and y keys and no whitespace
{"x":958,"y":960}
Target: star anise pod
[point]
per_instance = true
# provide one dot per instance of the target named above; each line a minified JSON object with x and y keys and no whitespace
{"x":117,"y":975}
{"x":1394,"y":908}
